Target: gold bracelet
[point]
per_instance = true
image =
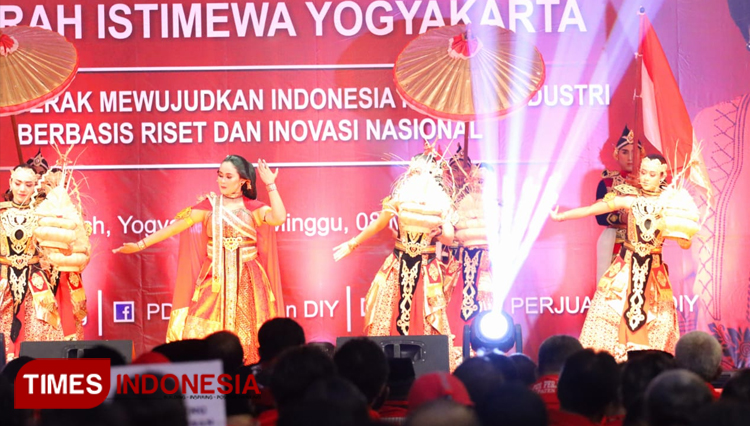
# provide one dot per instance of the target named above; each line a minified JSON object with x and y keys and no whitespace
{"x":610,"y":200}
{"x":271,"y":187}
{"x":352,"y":244}
{"x":141,"y":245}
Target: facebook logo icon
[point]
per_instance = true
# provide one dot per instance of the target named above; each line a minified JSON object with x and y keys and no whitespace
{"x":124,"y":311}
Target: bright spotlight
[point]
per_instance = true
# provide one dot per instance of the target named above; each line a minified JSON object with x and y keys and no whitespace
{"x":493,"y":326}
{"x":495,"y":330}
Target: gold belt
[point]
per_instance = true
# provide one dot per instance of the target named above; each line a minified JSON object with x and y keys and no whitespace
{"x":248,"y":249}
{"x":414,"y":249}
{"x":19,"y":261}
{"x":629,"y":246}
{"x":232,"y":243}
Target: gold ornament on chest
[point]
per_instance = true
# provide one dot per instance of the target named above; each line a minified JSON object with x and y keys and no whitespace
{"x":415,"y":243}
{"x":646,"y":213}
{"x":19,"y":226}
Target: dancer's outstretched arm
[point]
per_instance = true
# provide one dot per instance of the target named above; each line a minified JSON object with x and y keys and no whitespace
{"x":377,"y":225}
{"x":164,"y":233}
{"x":599,"y":207}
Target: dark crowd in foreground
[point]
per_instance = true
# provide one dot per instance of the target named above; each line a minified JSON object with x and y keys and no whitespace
{"x":356,"y":385}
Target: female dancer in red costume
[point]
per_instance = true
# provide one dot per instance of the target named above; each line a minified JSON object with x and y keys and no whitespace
{"x":228,"y":275}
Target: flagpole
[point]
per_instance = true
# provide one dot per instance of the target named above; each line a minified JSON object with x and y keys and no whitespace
{"x":635,"y":153}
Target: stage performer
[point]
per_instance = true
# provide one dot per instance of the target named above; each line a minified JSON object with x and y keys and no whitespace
{"x":611,"y":239}
{"x":44,"y":247}
{"x":228,"y":274}
{"x":407,"y":296}
{"x":633,"y":308}
{"x":469,"y":276}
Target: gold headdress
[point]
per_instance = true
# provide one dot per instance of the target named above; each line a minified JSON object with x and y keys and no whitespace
{"x":23,"y":174}
{"x":424,"y":181}
{"x":654,"y":163}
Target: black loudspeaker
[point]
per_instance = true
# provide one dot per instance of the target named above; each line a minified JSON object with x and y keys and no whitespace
{"x":74,"y":349}
{"x":427,"y":353}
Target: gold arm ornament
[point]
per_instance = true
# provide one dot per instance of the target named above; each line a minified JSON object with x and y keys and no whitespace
{"x":610,"y":200}
{"x":186,"y":214}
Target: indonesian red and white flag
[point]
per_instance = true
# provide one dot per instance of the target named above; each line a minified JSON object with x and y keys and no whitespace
{"x":666,"y":123}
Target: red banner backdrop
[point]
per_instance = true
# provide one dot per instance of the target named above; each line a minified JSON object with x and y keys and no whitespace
{"x":166,"y":90}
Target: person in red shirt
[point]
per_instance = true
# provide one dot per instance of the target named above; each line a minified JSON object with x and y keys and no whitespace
{"x":439,"y":385}
{"x":552,"y":355}
{"x":587,"y":390}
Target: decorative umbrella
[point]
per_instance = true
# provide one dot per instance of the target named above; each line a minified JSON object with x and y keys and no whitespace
{"x":36,"y":65}
{"x":461,"y":73}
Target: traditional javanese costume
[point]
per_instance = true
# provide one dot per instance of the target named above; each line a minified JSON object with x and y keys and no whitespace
{"x":407,"y":295}
{"x":468,"y":271}
{"x":633,"y":308}
{"x":611,"y":239}
{"x":41,"y":294}
{"x":228,"y":275}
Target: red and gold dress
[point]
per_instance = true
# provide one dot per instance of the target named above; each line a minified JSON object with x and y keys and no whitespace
{"x":228,"y":276}
{"x":633,"y":308}
{"x":407,"y":295}
{"x":37,"y":301}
